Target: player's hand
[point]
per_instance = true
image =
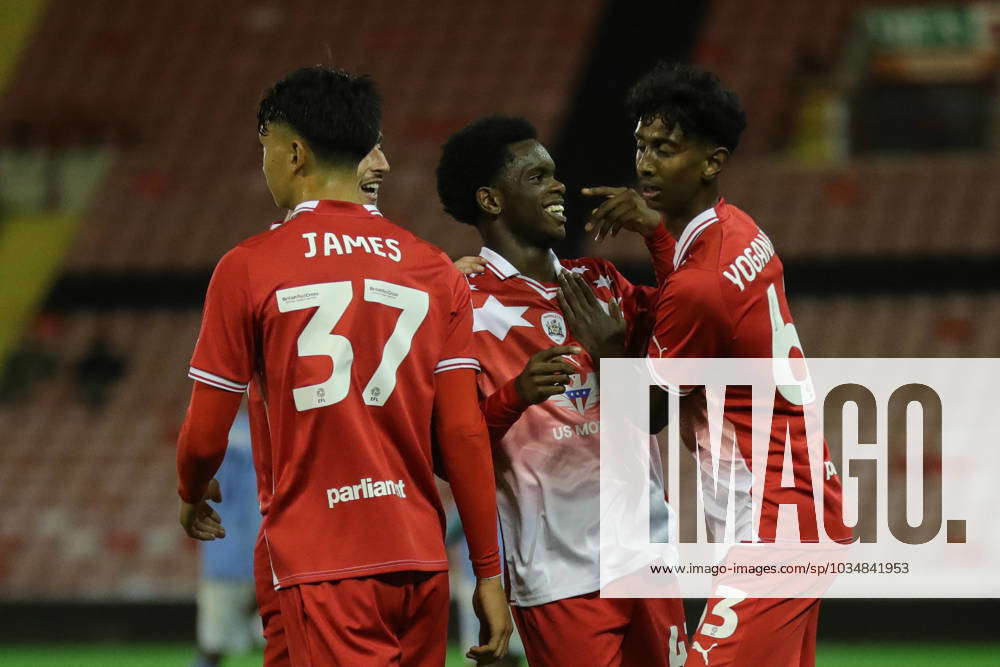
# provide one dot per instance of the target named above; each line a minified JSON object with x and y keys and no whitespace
{"x":623,"y":208}
{"x":601,"y":333}
{"x":546,"y":374}
{"x":469,"y":265}
{"x":199,"y":519}
{"x":495,"y":625}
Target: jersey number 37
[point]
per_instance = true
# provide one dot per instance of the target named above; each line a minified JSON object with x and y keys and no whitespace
{"x":331,"y":301}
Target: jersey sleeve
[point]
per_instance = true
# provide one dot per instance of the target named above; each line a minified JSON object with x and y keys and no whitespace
{"x":465,"y":457}
{"x":661,"y":246}
{"x":457,"y":349}
{"x":201,"y":445}
{"x":638,"y":304}
{"x":502,"y":409}
{"x":223,"y":356}
{"x":691,"y":322}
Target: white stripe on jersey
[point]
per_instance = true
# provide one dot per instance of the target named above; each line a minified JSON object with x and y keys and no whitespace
{"x":457,"y":362}
{"x":496,"y":271}
{"x":682,"y":249}
{"x":306,"y":206}
{"x":215,"y":380}
{"x":546,"y":292}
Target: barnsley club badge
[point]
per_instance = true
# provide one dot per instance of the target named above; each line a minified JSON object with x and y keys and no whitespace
{"x":555,"y":327}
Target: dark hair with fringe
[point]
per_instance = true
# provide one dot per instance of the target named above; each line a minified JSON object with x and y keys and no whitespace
{"x":692,"y":98}
{"x":473,"y":158}
{"x":338,"y":114}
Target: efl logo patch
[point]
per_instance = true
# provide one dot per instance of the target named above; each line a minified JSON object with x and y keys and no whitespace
{"x":554,"y":327}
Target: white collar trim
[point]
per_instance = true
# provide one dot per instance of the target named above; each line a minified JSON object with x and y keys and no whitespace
{"x":305,"y":206}
{"x":313,"y":203}
{"x":692,"y":231}
{"x":503,"y":269}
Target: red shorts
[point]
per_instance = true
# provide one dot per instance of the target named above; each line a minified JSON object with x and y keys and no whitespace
{"x":400,"y":618}
{"x":591,"y":630}
{"x":777,"y":632}
{"x":275,"y":645}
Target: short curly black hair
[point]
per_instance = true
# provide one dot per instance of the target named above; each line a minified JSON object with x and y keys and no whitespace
{"x":473,"y":158}
{"x":339,"y":114}
{"x":691,"y":97}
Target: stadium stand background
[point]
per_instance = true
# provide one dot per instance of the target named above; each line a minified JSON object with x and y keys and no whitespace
{"x":128,"y":165}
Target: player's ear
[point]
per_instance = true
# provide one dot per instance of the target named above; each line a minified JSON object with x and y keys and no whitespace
{"x":297,"y":155}
{"x":489,"y":200}
{"x":715,"y":161}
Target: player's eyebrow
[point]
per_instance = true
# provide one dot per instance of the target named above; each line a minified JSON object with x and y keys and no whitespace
{"x":653,"y":137}
{"x":539,"y":168}
{"x":658,"y":140}
{"x":527,"y":166}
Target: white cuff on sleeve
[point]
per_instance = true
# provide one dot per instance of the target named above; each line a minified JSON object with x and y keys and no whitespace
{"x":215,"y":380}
{"x":456,"y":363}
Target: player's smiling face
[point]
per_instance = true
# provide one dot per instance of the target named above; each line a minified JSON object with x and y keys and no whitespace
{"x":532,"y":200}
{"x":672,"y":167}
{"x":371,"y":171}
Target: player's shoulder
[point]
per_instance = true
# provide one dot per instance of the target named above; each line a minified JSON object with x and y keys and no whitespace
{"x":488,"y":280}
{"x":602,"y":276}
{"x":717,"y":244}
{"x":421,"y":252}
{"x":241,"y":255}
{"x":424,"y":247}
{"x":425,"y":252}
{"x":738,"y":224}
{"x":694,"y":283}
{"x":730,"y":257}
{"x":588,"y":267}
{"x":252,"y":243}
{"x":694,"y":279}
{"x":238,"y":256}
{"x":485,"y":284}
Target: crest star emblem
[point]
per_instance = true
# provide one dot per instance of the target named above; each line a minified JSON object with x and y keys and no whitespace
{"x":579,"y":269}
{"x":602,"y":281}
{"x":497,"y":318}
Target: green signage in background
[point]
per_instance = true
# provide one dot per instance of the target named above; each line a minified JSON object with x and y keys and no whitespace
{"x":926,"y":27}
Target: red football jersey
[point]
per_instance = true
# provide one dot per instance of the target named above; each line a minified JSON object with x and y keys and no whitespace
{"x":260,"y":436}
{"x":726,"y":299}
{"x":341,"y":318}
{"x":547,"y":463}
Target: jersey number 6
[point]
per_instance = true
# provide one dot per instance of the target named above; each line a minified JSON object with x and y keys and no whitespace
{"x":784,"y":339}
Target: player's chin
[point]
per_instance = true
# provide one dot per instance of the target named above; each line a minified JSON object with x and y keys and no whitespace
{"x":555,"y":229}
